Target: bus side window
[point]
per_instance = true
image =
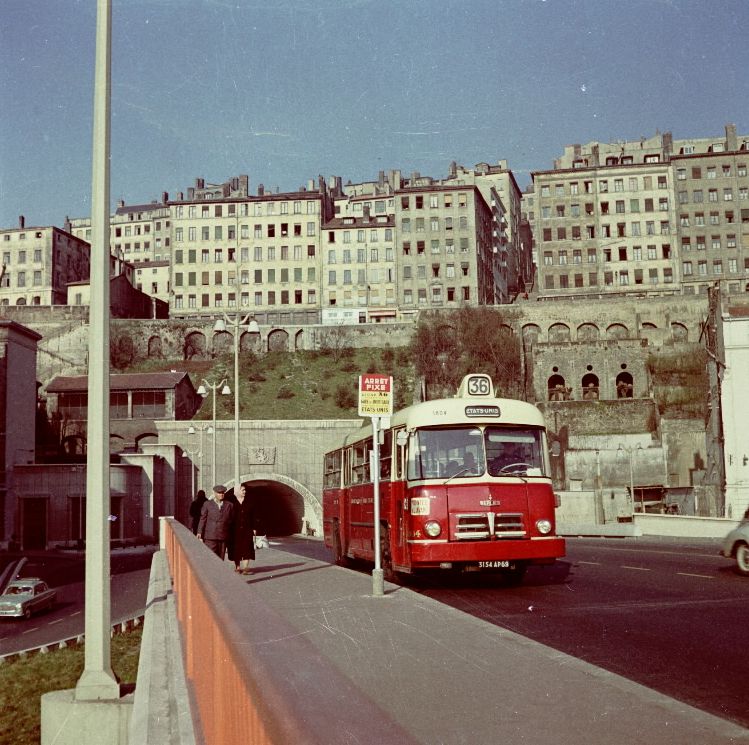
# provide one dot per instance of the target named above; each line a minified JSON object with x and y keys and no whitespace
{"x":386,"y":454}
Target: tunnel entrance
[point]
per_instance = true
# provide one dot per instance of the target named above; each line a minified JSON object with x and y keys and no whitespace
{"x":279,"y":509}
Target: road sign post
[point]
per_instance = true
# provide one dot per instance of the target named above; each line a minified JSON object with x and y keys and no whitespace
{"x":376,"y":401}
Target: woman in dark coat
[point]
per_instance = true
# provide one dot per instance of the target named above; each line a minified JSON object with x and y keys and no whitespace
{"x":242,"y":544}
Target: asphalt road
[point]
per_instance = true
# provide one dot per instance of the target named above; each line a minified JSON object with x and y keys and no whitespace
{"x":130,"y":572}
{"x":669,"y":614}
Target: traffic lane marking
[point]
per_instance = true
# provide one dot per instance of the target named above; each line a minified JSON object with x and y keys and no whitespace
{"x":659,"y":552}
{"x":690,"y":574}
{"x":639,"y":569}
{"x":29,"y":631}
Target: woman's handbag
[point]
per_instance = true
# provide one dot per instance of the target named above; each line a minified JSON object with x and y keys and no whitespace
{"x":261,"y":541}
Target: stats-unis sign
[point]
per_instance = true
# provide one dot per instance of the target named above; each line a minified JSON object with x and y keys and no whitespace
{"x":375,"y":395}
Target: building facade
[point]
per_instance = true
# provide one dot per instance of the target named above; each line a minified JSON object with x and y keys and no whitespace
{"x":258,"y":254}
{"x":38,"y":263}
{"x":648,"y":217}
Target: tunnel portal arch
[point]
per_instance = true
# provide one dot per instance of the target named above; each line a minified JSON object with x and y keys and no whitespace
{"x":283,"y":506}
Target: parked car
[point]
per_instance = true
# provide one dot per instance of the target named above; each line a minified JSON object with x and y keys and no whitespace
{"x":23,"y":597}
{"x":736,"y":546}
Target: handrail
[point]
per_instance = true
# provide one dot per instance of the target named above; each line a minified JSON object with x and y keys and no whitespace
{"x":253,"y":678}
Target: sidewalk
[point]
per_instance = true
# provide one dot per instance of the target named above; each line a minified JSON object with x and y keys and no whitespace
{"x":448,"y":678}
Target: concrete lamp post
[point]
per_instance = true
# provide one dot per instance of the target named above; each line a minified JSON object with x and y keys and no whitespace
{"x":237,"y":324}
{"x":631,"y":453}
{"x":203,"y":391}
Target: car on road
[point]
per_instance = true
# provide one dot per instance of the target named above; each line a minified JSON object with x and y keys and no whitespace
{"x":23,"y":597}
{"x":736,"y":546}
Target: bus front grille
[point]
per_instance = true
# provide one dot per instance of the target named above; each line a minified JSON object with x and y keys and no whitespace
{"x":477,"y":526}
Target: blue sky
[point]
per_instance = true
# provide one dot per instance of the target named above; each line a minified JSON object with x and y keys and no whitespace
{"x":288,"y":90}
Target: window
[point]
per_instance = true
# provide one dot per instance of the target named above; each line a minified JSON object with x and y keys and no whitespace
{"x":548,"y":258}
{"x":686,"y":268}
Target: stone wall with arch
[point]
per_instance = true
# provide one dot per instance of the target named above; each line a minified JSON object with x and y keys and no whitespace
{"x":590,"y":371}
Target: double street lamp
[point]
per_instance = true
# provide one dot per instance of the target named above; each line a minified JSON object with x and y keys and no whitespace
{"x":237,"y":324}
{"x":199,"y":452}
{"x":203,"y":391}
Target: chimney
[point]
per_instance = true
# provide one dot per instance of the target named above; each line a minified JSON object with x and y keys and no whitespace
{"x":244,"y":184}
{"x":180,"y":196}
{"x":191,"y":192}
{"x":21,"y":221}
{"x":453,"y":170}
{"x":260,"y":190}
{"x":731,"y":141}
{"x":164,"y":197}
{"x":199,"y":183}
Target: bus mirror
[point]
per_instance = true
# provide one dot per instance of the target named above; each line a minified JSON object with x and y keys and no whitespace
{"x":401,"y":438}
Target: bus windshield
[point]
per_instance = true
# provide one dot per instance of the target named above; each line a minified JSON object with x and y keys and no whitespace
{"x":514,"y":451}
{"x":441,"y":453}
{"x":462,"y":452}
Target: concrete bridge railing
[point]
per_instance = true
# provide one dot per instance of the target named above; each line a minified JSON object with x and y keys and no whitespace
{"x":243,"y":671}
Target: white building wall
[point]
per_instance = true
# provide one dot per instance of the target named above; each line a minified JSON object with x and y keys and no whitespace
{"x":735,"y":405}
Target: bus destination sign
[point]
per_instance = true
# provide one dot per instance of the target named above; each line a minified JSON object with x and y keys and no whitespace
{"x":375,"y":395}
{"x":482,"y":411}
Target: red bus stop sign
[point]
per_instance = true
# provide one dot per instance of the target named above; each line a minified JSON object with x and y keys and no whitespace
{"x":375,"y":395}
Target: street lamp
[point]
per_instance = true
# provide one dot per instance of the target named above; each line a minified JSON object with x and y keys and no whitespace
{"x":631,"y":452}
{"x":201,"y":428}
{"x":203,"y":391}
{"x":237,"y":324}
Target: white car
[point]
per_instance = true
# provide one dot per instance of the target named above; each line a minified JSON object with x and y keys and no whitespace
{"x":22,"y":597}
{"x":736,"y":546}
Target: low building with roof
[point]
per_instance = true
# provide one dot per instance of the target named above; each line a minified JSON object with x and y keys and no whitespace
{"x":136,"y":401}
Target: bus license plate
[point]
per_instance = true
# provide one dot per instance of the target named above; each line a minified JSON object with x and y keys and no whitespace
{"x":503,"y":564}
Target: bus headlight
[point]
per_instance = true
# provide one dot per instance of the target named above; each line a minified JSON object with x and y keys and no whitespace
{"x":544,"y":526}
{"x":432,"y":528}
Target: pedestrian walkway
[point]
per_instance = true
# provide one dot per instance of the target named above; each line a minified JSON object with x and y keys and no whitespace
{"x":448,"y":678}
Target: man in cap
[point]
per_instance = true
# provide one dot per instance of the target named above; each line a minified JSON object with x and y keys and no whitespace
{"x":216,"y":520}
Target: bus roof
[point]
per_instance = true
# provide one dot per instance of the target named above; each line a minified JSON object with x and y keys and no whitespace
{"x":446,"y":412}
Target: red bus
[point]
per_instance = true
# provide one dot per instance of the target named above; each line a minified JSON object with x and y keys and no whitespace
{"x":465,"y":485}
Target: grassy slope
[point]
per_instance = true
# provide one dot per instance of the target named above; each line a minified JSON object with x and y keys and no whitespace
{"x":23,"y":680}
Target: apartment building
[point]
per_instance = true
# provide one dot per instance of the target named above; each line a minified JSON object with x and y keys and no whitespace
{"x":38,"y":263}
{"x":259,"y":254}
{"x":154,"y":279}
{"x":359,"y":267}
{"x":631,"y":217}
{"x":500,"y":190}
{"x":137,"y":233}
{"x":606,"y":230}
{"x":712,"y":194}
{"x":445,"y":247}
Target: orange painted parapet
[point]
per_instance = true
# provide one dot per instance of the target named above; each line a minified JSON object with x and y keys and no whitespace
{"x":253,"y":678}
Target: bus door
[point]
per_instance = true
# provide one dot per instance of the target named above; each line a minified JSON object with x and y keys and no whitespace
{"x":360,"y":501}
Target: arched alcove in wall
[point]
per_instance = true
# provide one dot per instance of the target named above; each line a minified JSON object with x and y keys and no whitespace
{"x":155,"y":347}
{"x":588,"y":332}
{"x":559,"y":332}
{"x":531,"y":334}
{"x":617,"y":331}
{"x":590,"y":387}
{"x":278,"y":341}
{"x":223,"y":342}
{"x":557,"y":388}
{"x":624,"y":385}
{"x":679,"y":332}
{"x":194,"y":347}
{"x":250,"y":342}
